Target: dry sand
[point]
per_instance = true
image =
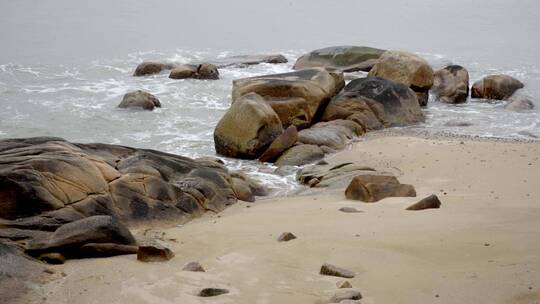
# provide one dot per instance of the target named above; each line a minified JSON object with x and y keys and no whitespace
{"x":482,"y":246}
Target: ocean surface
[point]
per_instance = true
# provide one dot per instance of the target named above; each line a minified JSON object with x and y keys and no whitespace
{"x":65,"y":65}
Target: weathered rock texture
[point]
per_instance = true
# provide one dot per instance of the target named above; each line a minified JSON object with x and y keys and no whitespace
{"x":497,"y":87}
{"x":341,"y":58}
{"x":149,"y":68}
{"x":374,"y":187}
{"x":200,"y":71}
{"x":451,"y":84}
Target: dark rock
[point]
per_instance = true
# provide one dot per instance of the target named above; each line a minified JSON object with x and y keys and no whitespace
{"x":496,"y":87}
{"x":286,"y":236}
{"x":300,"y":155}
{"x":154,"y":253}
{"x":52,"y":258}
{"x":372,"y":188}
{"x":295,"y":96}
{"x":247,"y":128}
{"x":349,"y":210}
{"x":341,"y":58}
{"x":334,"y":134}
{"x":280,"y":144}
{"x":149,"y":68}
{"x":406,"y":68}
{"x":247,"y":60}
{"x":140,"y":99}
{"x":345,"y":294}
{"x":194,"y":266}
{"x":451,"y":84}
{"x":430,"y":202}
{"x":374,"y":103}
{"x":343,"y":284}
{"x":331,"y":270}
{"x":212,"y":292}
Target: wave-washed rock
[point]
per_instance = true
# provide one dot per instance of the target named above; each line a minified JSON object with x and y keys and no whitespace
{"x":340,"y":58}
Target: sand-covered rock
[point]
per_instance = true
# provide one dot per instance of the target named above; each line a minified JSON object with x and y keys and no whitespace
{"x":374,"y":187}
{"x":341,"y":58}
{"x":247,"y":128}
{"x":212,"y":292}
{"x":409,"y":69}
{"x":451,"y":84}
{"x":295,"y":96}
{"x":332,"y":270}
{"x":149,"y":68}
{"x":200,"y":71}
{"x":373,"y":103}
{"x":496,"y":87}
{"x":340,"y":295}
{"x":140,"y":99}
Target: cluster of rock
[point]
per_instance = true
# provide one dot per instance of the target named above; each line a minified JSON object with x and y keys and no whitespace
{"x":61,"y":200}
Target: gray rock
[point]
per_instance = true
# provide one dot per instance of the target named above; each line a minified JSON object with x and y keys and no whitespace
{"x":451,"y":84}
{"x":519,"y":103}
{"x":345,"y":294}
{"x":140,"y":99}
{"x":241,"y":61}
{"x":334,"y":134}
{"x":300,"y":155}
{"x":342,"y":58}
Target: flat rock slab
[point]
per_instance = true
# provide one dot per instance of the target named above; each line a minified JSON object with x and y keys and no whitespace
{"x":331,"y":270}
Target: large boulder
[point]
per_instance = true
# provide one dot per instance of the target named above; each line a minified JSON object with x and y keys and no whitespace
{"x":334,"y":134}
{"x":451,"y":84}
{"x":247,"y":60}
{"x":340,"y":58}
{"x":409,"y":69}
{"x":496,"y":87}
{"x":140,"y":99}
{"x":149,"y":68}
{"x":296,"y":96}
{"x":51,"y":190}
{"x":373,"y":103}
{"x":201,"y":71}
{"x":247,"y":128}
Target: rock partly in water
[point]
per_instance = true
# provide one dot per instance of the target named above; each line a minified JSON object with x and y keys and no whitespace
{"x":518,"y":102}
{"x":300,"y":155}
{"x":280,"y":145}
{"x":213,"y":292}
{"x":255,"y":186}
{"x":372,"y":188}
{"x":496,"y":87}
{"x":247,"y":60}
{"x":149,"y":68}
{"x":295,"y":96}
{"x":409,"y":69}
{"x":247,"y":128}
{"x":154,"y":252}
{"x":201,"y":71}
{"x":340,"y":58}
{"x":140,"y":99}
{"x":331,"y":270}
{"x":194,"y":267}
{"x":451,"y":84}
{"x":286,"y":236}
{"x":430,"y":202}
{"x":334,"y":134}
{"x":375,"y":103}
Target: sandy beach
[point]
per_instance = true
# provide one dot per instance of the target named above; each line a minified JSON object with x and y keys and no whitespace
{"x":480,"y":247}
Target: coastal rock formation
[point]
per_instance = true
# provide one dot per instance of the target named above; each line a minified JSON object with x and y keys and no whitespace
{"x":247,"y":60}
{"x":370,"y":188}
{"x":430,"y":202}
{"x":278,"y":146}
{"x":149,"y":68}
{"x":496,"y":87}
{"x":201,"y":71}
{"x":451,"y":84}
{"x":340,"y":58}
{"x":409,"y":69}
{"x":247,"y":128}
{"x":300,"y":155}
{"x":296,"y":96}
{"x":75,"y":199}
{"x":334,"y":134}
{"x":140,"y":99}
{"x":373,"y":103}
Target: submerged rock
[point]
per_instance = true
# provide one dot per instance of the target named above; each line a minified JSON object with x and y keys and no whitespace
{"x":451,"y":84}
{"x":140,"y":99}
{"x":409,"y":69}
{"x":300,"y":155}
{"x":372,"y":188}
{"x":374,"y":103}
{"x":341,"y":58}
{"x":247,"y":60}
{"x":149,"y":68}
{"x":496,"y":87}
{"x":519,"y":103}
{"x":247,"y":128}
{"x":295,"y":96}
{"x":430,"y":202}
{"x":331,"y":270}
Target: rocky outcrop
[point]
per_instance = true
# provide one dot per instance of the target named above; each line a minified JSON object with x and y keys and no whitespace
{"x":451,"y":84}
{"x":409,"y":69}
{"x":247,"y":60}
{"x":334,"y":134}
{"x":75,"y":199}
{"x":149,"y":68}
{"x":247,"y":128}
{"x":300,"y":155}
{"x":496,"y":87}
{"x":370,"y":188}
{"x":296,"y":97}
{"x":201,"y":71}
{"x":278,"y":146}
{"x":340,"y":58}
{"x":140,"y":99}
{"x":375,"y":103}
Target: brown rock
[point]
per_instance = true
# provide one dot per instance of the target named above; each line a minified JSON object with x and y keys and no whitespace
{"x":140,"y":99}
{"x":154,"y":253}
{"x":331,"y":270}
{"x":52,"y":258}
{"x":207,"y":71}
{"x":497,"y":87}
{"x":451,"y":84}
{"x":280,"y":145}
{"x":183,"y":72}
{"x":286,"y":236}
{"x":149,"y":68}
{"x":341,"y":58}
{"x":429,"y":202}
{"x":300,"y":155}
{"x":213,"y":292}
{"x":372,"y":188}
{"x":242,"y":190}
{"x":193,"y":266}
